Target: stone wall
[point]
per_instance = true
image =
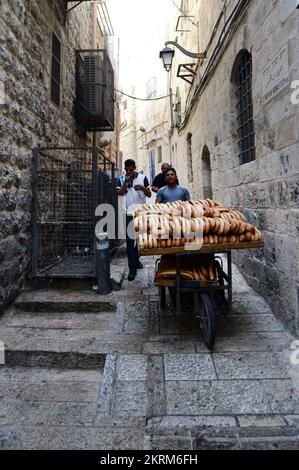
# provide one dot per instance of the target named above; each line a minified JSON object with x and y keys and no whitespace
{"x":128,"y":143}
{"x":153,"y":117}
{"x":28,"y":117}
{"x":267,"y":189}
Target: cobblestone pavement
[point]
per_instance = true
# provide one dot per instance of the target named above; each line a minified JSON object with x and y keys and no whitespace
{"x":91,"y":372}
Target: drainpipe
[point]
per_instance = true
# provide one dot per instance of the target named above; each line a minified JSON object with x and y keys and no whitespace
{"x":117,"y":112}
{"x":103,"y":263}
{"x":117,"y":128}
{"x":94,"y":7}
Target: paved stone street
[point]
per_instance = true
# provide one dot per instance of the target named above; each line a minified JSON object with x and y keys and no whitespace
{"x":90,"y":372}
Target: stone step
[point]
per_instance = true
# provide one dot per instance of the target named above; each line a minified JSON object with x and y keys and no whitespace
{"x":118,"y":270}
{"x":52,"y":320}
{"x":59,"y":436}
{"x":87,"y":301}
{"x":239,"y":432}
{"x":55,"y":300}
{"x":65,"y":341}
{"x":55,"y":359}
{"x":64,"y":323}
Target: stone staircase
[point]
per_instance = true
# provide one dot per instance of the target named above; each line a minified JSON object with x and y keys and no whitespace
{"x":85,"y":371}
{"x":62,"y":322}
{"x":53,"y":327}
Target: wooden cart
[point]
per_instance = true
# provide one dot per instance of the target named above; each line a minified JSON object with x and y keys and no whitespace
{"x":204,"y":291}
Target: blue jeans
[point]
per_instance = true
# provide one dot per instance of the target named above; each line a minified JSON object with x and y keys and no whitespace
{"x":132,"y":251}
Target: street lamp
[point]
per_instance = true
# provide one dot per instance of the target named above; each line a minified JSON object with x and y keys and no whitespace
{"x":167,"y":54}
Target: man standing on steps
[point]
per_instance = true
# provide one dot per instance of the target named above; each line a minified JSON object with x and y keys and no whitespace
{"x":135,"y":188}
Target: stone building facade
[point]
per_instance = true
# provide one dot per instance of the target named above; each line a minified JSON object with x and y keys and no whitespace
{"x":152,"y":128}
{"x":262,"y":39}
{"x":145,"y":126}
{"x":128,"y":141}
{"x":29,"y":32}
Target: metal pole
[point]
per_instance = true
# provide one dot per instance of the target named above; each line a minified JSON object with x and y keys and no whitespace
{"x":178,"y":284}
{"x":171,"y":107}
{"x":95,"y":186}
{"x":35,"y":163}
{"x":103,"y":263}
{"x":230,"y":282}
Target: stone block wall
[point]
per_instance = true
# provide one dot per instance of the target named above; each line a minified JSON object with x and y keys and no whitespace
{"x":267,"y":189}
{"x":28,"y":117}
{"x":128,"y":143}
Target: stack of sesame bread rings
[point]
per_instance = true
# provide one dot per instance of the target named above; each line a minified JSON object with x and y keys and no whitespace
{"x":191,"y":223}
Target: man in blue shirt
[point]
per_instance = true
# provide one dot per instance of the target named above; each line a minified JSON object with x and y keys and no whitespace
{"x":173,"y":191}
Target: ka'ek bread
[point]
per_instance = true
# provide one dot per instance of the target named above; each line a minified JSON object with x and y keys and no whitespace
{"x":201,"y":268}
{"x":167,"y":269}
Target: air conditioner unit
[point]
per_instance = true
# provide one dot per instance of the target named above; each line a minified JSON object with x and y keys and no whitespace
{"x":92,"y":89}
{"x":95,"y":90}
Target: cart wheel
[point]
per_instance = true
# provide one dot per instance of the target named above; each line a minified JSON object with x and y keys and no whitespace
{"x":206,"y":319}
{"x":162,"y":297}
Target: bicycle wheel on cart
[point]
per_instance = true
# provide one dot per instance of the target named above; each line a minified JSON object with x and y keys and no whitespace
{"x":207,"y":321}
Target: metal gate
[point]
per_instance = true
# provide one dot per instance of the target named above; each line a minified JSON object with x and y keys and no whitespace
{"x":68,"y":185}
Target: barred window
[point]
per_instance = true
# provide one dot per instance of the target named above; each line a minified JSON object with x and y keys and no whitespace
{"x":242,"y":77}
{"x":55,"y":70}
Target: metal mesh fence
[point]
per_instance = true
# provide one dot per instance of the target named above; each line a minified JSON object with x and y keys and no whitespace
{"x":67,"y":185}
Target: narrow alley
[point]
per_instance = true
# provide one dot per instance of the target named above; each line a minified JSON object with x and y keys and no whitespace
{"x":113,"y":372}
{"x":149,"y":222}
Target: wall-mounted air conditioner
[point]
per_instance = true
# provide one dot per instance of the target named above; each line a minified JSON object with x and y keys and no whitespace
{"x":94,"y":90}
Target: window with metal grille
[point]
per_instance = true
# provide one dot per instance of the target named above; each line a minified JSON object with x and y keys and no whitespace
{"x":243,"y":80}
{"x":55,"y":70}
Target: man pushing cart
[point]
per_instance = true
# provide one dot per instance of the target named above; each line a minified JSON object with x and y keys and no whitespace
{"x":188,"y":234}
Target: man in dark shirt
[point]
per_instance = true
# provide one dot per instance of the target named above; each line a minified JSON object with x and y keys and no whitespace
{"x":160,"y":179}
